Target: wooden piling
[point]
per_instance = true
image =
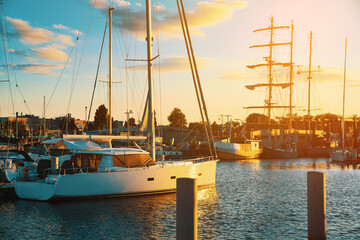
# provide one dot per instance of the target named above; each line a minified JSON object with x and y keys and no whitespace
{"x":316,"y":205}
{"x":186,"y":208}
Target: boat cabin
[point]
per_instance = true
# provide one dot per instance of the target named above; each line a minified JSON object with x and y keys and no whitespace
{"x":107,"y":159}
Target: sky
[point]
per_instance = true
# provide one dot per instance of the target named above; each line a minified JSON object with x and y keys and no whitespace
{"x":53,"y":47}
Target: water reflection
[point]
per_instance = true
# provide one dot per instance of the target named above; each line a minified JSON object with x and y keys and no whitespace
{"x":297,"y":164}
{"x":142,"y":217}
{"x":253,"y":199}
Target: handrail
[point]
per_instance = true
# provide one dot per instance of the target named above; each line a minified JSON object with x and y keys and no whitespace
{"x":124,"y":168}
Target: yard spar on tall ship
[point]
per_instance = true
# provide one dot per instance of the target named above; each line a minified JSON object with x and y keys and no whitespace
{"x":289,"y":151}
{"x":122,"y":171}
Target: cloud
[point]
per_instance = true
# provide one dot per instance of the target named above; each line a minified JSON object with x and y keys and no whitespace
{"x":39,"y":69}
{"x":101,"y":4}
{"x":58,"y":46}
{"x":22,"y":53}
{"x":205,"y":14}
{"x":31,"y":59}
{"x":65,"y":39}
{"x":50,"y":53}
{"x":176,"y":64}
{"x":232,"y":75}
{"x":59,"y":26}
{"x":76,"y":32}
{"x":68,"y":29}
{"x":122,"y":3}
{"x":30,"y":35}
{"x":160,"y":7}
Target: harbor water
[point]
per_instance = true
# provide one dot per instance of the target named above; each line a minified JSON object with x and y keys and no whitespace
{"x":254,"y":199}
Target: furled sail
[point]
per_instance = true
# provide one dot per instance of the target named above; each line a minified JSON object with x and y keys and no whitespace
{"x":282,"y":85}
{"x":145,"y":122}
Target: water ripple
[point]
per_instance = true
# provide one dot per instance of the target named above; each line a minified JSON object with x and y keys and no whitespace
{"x":255,"y":199}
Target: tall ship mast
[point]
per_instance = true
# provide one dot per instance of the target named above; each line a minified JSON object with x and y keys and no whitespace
{"x":270,"y":63}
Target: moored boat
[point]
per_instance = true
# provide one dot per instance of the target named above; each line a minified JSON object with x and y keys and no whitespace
{"x":109,"y":172}
{"x":237,"y":151}
{"x":119,"y":171}
{"x":279,"y":153}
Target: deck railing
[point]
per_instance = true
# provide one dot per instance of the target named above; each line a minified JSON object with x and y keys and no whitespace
{"x":124,"y":168}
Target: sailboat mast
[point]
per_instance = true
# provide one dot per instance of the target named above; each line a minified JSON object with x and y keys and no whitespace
{"x":291,"y":73}
{"x":309,"y":78}
{"x":110,"y":70}
{"x":150,"y":79}
{"x":270,"y":67}
{"x":44,"y":124}
{"x":343,"y":113}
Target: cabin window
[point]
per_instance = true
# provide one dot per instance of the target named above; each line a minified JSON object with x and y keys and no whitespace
{"x":86,"y":160}
{"x":151,"y":179}
{"x":172,"y":177}
{"x":132,"y":160}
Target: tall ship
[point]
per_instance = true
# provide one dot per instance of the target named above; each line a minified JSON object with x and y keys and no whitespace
{"x":289,"y":149}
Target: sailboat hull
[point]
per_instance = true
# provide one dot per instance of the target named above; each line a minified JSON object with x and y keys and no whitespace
{"x":133,"y":181}
{"x":236,"y":151}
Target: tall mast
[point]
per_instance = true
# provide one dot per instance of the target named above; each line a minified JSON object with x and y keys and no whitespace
{"x":44,"y":124}
{"x":270,"y":63}
{"x":343,"y":113}
{"x":150,"y":80}
{"x":309,"y":78}
{"x":291,"y":73}
{"x":110,"y":70}
{"x":270,"y":67}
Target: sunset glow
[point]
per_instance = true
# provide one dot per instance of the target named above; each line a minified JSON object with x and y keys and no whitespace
{"x":41,"y":36}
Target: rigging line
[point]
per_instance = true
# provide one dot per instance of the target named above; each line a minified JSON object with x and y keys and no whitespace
{"x":182,"y":140}
{"x":193,"y":67}
{"x":97,"y":74}
{"x":159,"y":67}
{"x":12,"y":60}
{"x":117,"y":33}
{"x":82,"y":53}
{"x":3,"y":30}
{"x":67,"y":60}
{"x":122,"y":51}
{"x":62,"y":71}
{"x":74,"y":68}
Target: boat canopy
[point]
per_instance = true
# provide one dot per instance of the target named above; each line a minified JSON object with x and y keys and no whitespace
{"x":94,"y":160}
{"x":77,"y":145}
{"x":51,"y":141}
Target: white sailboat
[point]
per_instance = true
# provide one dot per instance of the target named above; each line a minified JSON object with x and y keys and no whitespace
{"x":118,"y":171}
{"x":342,"y":155}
